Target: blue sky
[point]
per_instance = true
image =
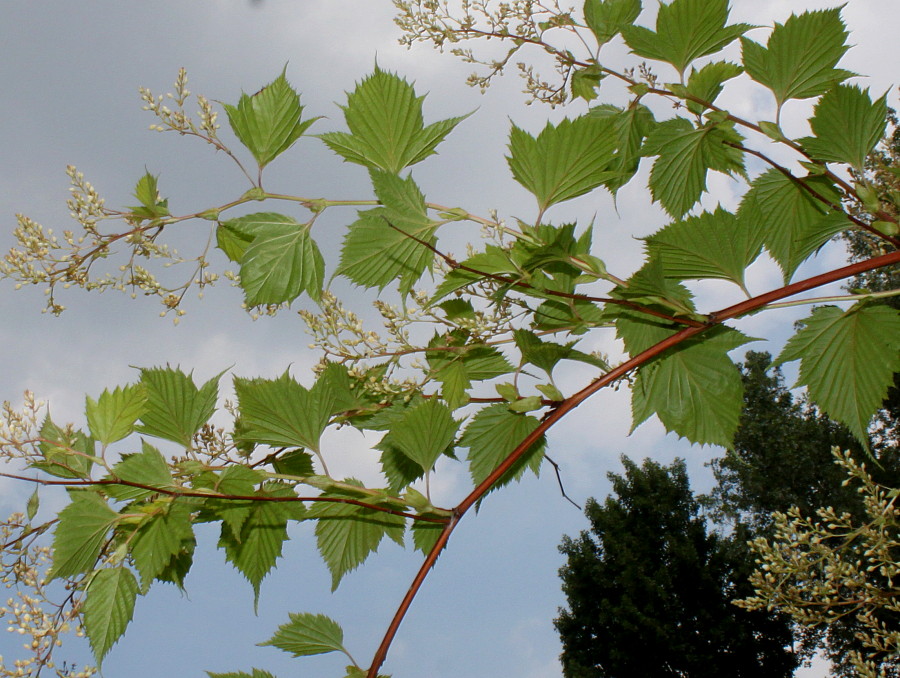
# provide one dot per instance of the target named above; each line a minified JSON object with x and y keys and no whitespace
{"x":71,"y":71}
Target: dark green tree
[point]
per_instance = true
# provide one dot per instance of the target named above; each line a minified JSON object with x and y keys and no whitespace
{"x":649,"y":590}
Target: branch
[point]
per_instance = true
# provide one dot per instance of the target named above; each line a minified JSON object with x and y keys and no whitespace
{"x":453,"y":264}
{"x":231,"y":497}
{"x":570,"y":403}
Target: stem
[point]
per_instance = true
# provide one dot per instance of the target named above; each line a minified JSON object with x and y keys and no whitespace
{"x":570,"y":403}
{"x":232,"y":497}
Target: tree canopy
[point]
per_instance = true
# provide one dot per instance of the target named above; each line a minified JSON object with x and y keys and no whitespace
{"x":650,"y":589}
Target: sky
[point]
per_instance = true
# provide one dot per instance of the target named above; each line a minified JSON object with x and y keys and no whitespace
{"x":71,"y":72}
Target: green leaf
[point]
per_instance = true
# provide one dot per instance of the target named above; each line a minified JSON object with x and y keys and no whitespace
{"x":585,"y":82}
{"x":492,"y":435}
{"x":706,"y":84}
{"x":649,"y":285}
{"x":399,"y":469}
{"x":377,"y":251}
{"x":147,"y":468}
{"x":67,"y":453}
{"x":685,"y":30}
{"x":546,"y":355}
{"x":164,"y":534}
{"x":383,"y":245}
{"x":425,"y":535}
{"x":261,"y":538}
{"x":294,"y":463}
{"x":347,"y":534}
{"x":463,"y":363}
{"x":800,"y":57}
{"x":793,"y":223}
{"x":112,"y":416}
{"x":269,"y":122}
{"x":152,"y":205}
{"x":308,"y":634}
{"x":34,"y":503}
{"x":282,"y":413}
{"x":607,"y":18}
{"x":631,"y":125}
{"x":847,"y":125}
{"x":280,"y":261}
{"x":176,"y":409}
{"x":576,"y":315}
{"x":80,"y":534}
{"x":387,"y":130}
{"x":710,"y":245}
{"x":108,"y":607}
{"x":686,"y":153}
{"x":848,"y":360}
{"x":424,"y":432}
{"x":695,"y":388}
{"x":564,"y":161}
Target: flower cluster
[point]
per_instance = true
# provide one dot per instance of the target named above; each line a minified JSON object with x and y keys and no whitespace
{"x":819,"y":569}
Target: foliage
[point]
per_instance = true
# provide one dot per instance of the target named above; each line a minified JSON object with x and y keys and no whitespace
{"x":500,"y":320}
{"x":833,"y":566}
{"x":782,"y":461}
{"x":650,"y":575}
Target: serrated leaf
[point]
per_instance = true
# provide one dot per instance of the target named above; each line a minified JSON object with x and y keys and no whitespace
{"x":710,"y":245}
{"x":425,"y":535}
{"x":606,"y":18}
{"x":281,"y":412}
{"x":848,"y":360}
{"x":492,"y":435}
{"x":281,"y":262}
{"x":793,"y":223}
{"x":686,"y":153}
{"x":800,"y":56}
{"x":148,"y":467}
{"x":424,"y":432}
{"x":176,"y":409}
{"x":112,"y":416}
{"x":387,"y":130}
{"x":152,"y":206}
{"x":347,"y":534}
{"x":546,"y":355}
{"x":308,"y":634}
{"x":398,"y":469}
{"x":695,"y":389}
{"x":585,"y":82}
{"x":268,"y":122}
{"x":564,"y":161}
{"x":847,"y":125}
{"x":631,"y":126}
{"x":67,"y":453}
{"x":685,"y":30}
{"x":80,"y":533}
{"x":576,"y":315}
{"x":649,"y":285}
{"x":294,"y":463}
{"x":164,"y":534}
{"x":706,"y":84}
{"x":262,"y":535}
{"x":377,"y":251}
{"x":108,"y":608}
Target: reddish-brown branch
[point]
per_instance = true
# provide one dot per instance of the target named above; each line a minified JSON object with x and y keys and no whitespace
{"x":575,"y":400}
{"x":231,"y":497}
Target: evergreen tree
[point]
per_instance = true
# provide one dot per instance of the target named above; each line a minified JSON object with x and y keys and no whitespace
{"x":649,"y":590}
